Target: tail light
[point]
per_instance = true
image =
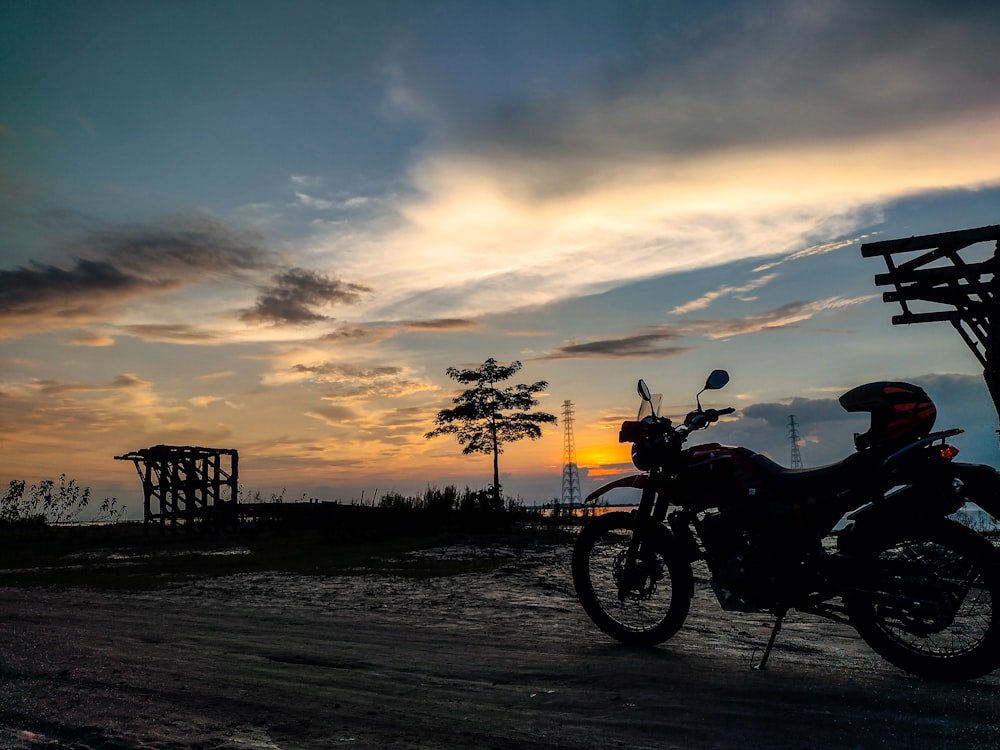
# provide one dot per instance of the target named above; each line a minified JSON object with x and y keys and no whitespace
{"x":948,"y":452}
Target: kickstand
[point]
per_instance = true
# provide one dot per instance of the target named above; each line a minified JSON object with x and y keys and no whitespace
{"x":780,"y":617}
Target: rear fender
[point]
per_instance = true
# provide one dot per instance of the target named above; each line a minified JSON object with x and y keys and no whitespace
{"x":981,"y":485}
{"x":905,"y":507}
{"x":637,"y":481}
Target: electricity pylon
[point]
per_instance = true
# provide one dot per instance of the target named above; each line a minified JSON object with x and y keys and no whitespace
{"x":571,"y":474}
{"x":793,"y":438}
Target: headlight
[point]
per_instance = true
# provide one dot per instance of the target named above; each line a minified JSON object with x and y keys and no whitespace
{"x":642,"y":455}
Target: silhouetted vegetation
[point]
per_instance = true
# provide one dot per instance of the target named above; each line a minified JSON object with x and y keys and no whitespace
{"x":486,"y":417}
{"x":448,"y":508}
{"x":48,"y":537}
{"x":53,"y":502}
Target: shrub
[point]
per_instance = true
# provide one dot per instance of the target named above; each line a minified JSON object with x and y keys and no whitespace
{"x":50,"y":502}
{"x":442,"y":507}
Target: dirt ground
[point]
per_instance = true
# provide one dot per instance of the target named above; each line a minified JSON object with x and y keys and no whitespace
{"x":499,"y":658}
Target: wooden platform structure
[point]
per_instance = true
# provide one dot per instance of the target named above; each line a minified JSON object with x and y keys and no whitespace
{"x":933,"y":282}
{"x":187,"y":485}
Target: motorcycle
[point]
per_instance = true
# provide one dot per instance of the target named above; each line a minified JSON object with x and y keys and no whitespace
{"x":867,"y":541}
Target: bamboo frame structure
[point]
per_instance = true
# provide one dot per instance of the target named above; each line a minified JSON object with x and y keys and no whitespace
{"x":184,"y":485}
{"x":932,"y":282}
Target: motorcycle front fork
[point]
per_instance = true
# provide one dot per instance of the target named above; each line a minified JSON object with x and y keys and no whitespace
{"x":643,"y":515}
{"x":638,"y":570}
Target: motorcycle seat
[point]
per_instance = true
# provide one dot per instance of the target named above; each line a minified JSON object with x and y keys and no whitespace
{"x":814,"y":482}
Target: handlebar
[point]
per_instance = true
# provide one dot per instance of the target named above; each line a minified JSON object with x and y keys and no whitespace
{"x":698,"y":420}
{"x":650,"y":426}
{"x":721,"y":412}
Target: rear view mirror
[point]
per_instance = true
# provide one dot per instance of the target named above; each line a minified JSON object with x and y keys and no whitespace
{"x":643,"y":390}
{"x":717,"y":379}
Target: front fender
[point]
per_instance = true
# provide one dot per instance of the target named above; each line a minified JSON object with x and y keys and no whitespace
{"x":637,"y":481}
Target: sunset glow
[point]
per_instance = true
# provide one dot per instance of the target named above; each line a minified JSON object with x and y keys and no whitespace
{"x":275,"y":232}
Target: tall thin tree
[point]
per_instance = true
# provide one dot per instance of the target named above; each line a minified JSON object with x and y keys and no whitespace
{"x":486,"y":416}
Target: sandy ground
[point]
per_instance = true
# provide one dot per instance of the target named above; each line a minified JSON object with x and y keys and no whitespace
{"x":497,"y":659}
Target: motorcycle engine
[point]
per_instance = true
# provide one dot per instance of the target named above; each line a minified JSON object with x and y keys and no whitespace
{"x":741,"y":573}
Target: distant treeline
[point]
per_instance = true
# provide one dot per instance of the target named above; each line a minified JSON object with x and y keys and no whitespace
{"x":468,"y":509}
{"x":435,"y":509}
{"x":64,"y":502}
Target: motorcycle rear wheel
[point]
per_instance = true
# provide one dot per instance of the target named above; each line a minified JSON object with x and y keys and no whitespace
{"x":931,"y":607}
{"x":642,"y":605}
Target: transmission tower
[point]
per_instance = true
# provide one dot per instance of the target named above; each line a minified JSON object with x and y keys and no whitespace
{"x":793,"y":438}
{"x":571,"y":474}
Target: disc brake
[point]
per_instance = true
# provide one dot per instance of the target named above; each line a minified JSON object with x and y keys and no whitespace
{"x":637,"y":579}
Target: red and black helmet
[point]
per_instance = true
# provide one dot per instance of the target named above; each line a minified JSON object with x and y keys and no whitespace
{"x":901,"y":413}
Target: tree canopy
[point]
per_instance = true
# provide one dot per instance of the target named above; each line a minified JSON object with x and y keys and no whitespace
{"x":485,"y":417}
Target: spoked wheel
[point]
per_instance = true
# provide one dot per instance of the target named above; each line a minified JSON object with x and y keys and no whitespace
{"x":931,"y":605}
{"x":639,"y":602}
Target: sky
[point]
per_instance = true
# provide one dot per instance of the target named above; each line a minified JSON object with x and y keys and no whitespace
{"x":273,"y":226}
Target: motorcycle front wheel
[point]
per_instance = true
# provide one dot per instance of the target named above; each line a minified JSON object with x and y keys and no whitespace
{"x":640,"y":602}
{"x":930,"y":606}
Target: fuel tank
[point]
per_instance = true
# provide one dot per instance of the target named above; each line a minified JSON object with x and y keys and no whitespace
{"x":716,"y":475}
{"x":737,"y":480}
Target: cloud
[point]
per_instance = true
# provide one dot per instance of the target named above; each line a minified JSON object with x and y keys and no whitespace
{"x":821,"y":249}
{"x":650,"y":342}
{"x":962,"y":401}
{"x":175,"y":333}
{"x":372,"y":331}
{"x":307,"y":181}
{"x":216,"y":375}
{"x":73,"y":291}
{"x":180,"y":248}
{"x":343,"y":380}
{"x":763,"y":74}
{"x":352,"y":333}
{"x":110,"y":266}
{"x":317,"y":203}
{"x":784,"y":316}
{"x":93,"y":340}
{"x":123,"y":382}
{"x":327,"y":204}
{"x":333,"y":414}
{"x":638,"y":345}
{"x":294,"y":293}
{"x":406,"y":417}
{"x":330,"y":372}
{"x":128,"y":380}
{"x":740,"y":139}
{"x":100,"y":415}
{"x":440,"y":324}
{"x":724,"y":291}
{"x":204,"y":401}
{"x":806,"y":411}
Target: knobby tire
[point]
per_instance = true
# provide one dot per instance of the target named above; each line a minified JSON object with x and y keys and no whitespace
{"x":654,"y":604}
{"x":930,"y":607}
